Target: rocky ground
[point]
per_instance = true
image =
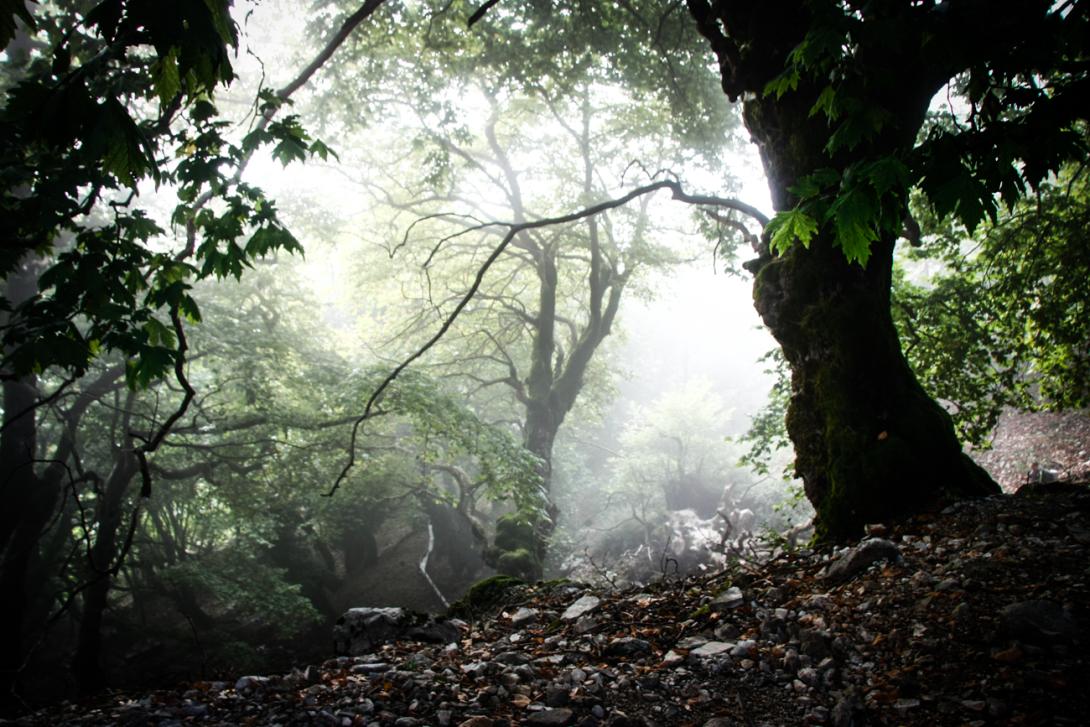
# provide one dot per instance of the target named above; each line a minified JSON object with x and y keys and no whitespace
{"x":1058,"y":441}
{"x":974,"y":616}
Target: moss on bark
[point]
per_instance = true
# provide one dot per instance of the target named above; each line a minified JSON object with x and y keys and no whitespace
{"x":870,"y":444}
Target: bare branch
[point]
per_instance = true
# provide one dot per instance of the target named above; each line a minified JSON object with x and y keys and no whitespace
{"x":513,"y":230}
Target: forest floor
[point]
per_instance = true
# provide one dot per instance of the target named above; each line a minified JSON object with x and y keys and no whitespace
{"x":978,"y":615}
{"x":1058,"y":441}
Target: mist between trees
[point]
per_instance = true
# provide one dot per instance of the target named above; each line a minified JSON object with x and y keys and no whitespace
{"x":521,"y":338}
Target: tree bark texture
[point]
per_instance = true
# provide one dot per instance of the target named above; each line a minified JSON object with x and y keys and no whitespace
{"x":870,"y":444}
{"x":29,"y":502}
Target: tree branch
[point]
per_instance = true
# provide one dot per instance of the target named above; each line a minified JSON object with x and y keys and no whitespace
{"x":513,"y":230}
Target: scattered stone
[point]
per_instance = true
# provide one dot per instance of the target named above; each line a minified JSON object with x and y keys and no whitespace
{"x":672,"y":658}
{"x":1039,"y":622}
{"x":550,"y":717}
{"x":730,"y":598}
{"x":524,"y":617}
{"x":712,"y":648}
{"x":476,"y":722}
{"x":922,"y":644}
{"x":628,"y":646}
{"x":583,"y":606}
{"x":813,"y":643}
{"x":362,"y":630}
{"x":250,"y":683}
{"x":858,"y":559}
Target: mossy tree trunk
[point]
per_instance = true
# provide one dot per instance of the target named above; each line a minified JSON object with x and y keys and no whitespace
{"x":870,"y":444}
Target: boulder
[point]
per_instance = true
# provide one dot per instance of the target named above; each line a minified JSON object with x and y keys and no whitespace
{"x":362,"y":630}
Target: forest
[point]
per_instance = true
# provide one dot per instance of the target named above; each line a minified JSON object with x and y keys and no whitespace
{"x":310,"y":306}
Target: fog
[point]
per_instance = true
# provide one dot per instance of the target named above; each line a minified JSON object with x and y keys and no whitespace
{"x":578,"y":418}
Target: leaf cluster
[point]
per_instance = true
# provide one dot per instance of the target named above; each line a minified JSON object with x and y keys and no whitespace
{"x":1005,"y":321}
{"x":122,"y":96}
{"x":857,"y":64}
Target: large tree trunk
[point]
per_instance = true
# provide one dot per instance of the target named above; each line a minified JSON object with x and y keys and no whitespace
{"x":29,"y":502}
{"x":870,"y":444}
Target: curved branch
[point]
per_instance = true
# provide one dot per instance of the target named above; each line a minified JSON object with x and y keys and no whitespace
{"x":513,"y":230}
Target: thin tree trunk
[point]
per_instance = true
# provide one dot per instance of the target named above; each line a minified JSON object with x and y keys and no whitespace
{"x":87,"y":666}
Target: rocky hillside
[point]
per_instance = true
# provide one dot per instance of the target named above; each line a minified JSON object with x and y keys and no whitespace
{"x":1058,"y":441}
{"x":977,"y":615}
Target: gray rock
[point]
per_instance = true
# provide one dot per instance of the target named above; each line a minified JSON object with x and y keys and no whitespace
{"x":712,"y":648}
{"x":672,"y":658}
{"x":361,"y":630}
{"x":1039,"y":622}
{"x":721,"y":722}
{"x":813,"y":643}
{"x":524,"y":617}
{"x":512,"y":658}
{"x":791,"y":661}
{"x":583,"y":606}
{"x":557,"y":696}
{"x":550,"y":717}
{"x":726,"y":632}
{"x":843,"y":712}
{"x":744,"y":648}
{"x":250,"y":683}
{"x":730,"y":598}
{"x":477,"y":721}
{"x":194,"y":710}
{"x":373,"y":668}
{"x":628,"y":646}
{"x":861,"y":557}
{"x":691,"y":642}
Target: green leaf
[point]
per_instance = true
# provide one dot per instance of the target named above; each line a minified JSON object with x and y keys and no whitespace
{"x":151,"y":364}
{"x":290,"y":150}
{"x":9,"y":10}
{"x":319,"y":149}
{"x":267,"y":239}
{"x":786,"y":227}
{"x":158,"y":333}
{"x":827,"y":104}
{"x":781,"y":84}
{"x":165,"y":76}
{"x":855,"y":218}
{"x":189,"y":310}
{"x":814,"y":184}
{"x":885,"y":174}
{"x":220,"y":13}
